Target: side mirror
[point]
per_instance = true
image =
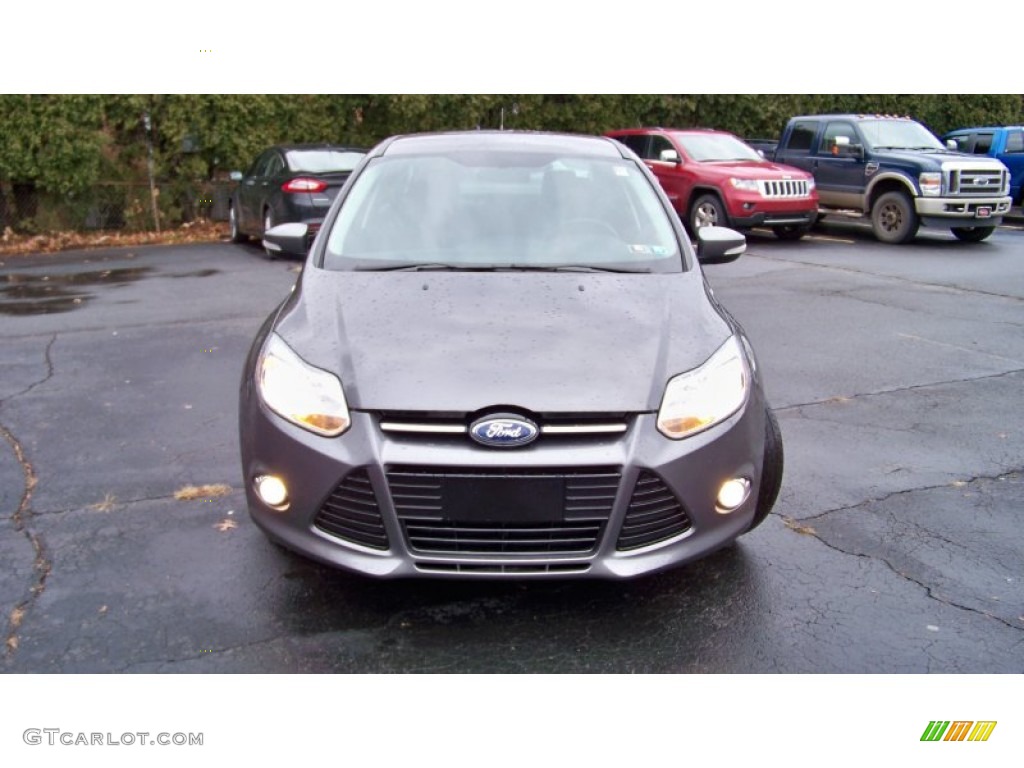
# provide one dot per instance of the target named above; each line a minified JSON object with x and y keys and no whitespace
{"x":761,"y":153}
{"x":856,"y":150}
{"x":286,"y":239}
{"x":235,"y":176}
{"x":719,"y":245}
{"x":669,"y":156}
{"x":951,"y":144}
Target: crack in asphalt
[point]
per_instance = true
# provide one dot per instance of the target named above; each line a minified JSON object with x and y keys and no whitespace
{"x":895,"y":278}
{"x":41,"y":562}
{"x":114,"y":503}
{"x":133,"y":326}
{"x":930,"y":593}
{"x":895,"y":390}
{"x":46,"y":378}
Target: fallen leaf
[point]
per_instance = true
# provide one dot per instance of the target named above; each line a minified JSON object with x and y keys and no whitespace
{"x":225,"y":525}
{"x":793,"y":525}
{"x":12,"y":643}
{"x":192,"y":492}
{"x":16,"y":616}
{"x":103,"y":609}
{"x":106,"y":505}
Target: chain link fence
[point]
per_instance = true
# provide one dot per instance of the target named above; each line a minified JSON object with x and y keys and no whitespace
{"x":123,"y":206}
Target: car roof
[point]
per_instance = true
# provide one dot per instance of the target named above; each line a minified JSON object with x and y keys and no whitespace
{"x":643,"y":131}
{"x":499,"y":141}
{"x":852,"y":116}
{"x":986,"y":128}
{"x":316,"y":147}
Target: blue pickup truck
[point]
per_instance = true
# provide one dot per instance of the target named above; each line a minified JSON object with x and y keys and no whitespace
{"x":1005,"y":144}
{"x":896,"y":173}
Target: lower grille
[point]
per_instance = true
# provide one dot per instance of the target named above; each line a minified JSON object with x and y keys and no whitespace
{"x":654,"y":515}
{"x":437,"y":519}
{"x":351,"y":513}
{"x":516,"y":569}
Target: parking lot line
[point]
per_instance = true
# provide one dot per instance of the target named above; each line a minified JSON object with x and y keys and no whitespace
{"x":828,"y":239}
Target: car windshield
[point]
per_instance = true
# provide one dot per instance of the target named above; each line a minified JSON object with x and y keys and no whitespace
{"x":898,"y":134}
{"x":711,"y":147}
{"x":503,"y":210}
{"x":323,"y":160}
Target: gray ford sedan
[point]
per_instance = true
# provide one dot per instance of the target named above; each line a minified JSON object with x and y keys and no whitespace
{"x":501,"y":360}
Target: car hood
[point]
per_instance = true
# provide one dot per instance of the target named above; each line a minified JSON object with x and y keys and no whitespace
{"x":751,"y":169}
{"x":462,"y":341}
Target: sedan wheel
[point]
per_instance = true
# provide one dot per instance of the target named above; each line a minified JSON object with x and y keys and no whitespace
{"x":236,"y":233}
{"x":268,"y":222}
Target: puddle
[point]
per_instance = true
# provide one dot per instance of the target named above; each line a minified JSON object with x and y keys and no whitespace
{"x":34,"y":294}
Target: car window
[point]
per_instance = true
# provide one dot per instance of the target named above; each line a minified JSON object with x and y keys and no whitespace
{"x":801,"y":137}
{"x":261,"y":162}
{"x":982,"y":143}
{"x":658,"y":145}
{"x":1015,"y":142}
{"x":502,"y":209}
{"x":637,"y":142}
{"x":833,"y":131}
{"x":323,"y":160}
{"x":275,"y":165}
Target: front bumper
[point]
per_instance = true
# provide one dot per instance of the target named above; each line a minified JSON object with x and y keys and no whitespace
{"x":961,"y":211}
{"x":314,"y":468}
{"x":750,"y":210}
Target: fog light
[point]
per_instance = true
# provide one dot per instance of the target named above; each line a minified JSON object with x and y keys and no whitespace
{"x":733,"y":493}
{"x":272,"y":490}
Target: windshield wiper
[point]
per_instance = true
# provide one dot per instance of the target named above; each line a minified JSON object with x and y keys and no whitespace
{"x":428,"y":267}
{"x":571,"y":268}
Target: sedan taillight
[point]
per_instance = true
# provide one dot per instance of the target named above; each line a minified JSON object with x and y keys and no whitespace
{"x":302,"y":184}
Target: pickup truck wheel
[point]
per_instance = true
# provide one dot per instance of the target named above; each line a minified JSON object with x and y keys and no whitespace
{"x":972,"y":234}
{"x":707,"y":211}
{"x":771,"y":471}
{"x":894,"y":219}
{"x":791,"y":231}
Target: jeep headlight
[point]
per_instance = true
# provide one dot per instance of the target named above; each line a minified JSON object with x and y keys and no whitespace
{"x":707,"y":395}
{"x":306,"y":396}
{"x":931,"y":184}
{"x":747,"y":185}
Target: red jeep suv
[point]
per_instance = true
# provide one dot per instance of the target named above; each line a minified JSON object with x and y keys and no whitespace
{"x":714,"y":179}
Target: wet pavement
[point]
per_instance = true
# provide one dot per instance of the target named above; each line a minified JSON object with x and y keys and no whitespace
{"x":896,"y":545}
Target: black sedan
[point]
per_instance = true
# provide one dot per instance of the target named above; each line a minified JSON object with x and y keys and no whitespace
{"x":289,"y":183}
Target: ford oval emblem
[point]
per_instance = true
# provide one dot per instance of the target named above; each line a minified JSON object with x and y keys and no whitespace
{"x":503,"y":431}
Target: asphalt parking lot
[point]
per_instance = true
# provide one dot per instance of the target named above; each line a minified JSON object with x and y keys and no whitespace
{"x":896,"y":545}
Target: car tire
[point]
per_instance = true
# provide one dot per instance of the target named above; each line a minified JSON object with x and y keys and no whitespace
{"x":972,"y":234}
{"x":707,"y":211}
{"x":792,"y":231}
{"x":771,"y":471}
{"x":268,"y":222}
{"x":893,"y":218}
{"x":236,"y":234}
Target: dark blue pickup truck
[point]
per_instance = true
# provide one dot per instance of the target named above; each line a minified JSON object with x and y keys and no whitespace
{"x":896,"y":173}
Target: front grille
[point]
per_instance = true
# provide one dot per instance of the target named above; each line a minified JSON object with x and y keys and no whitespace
{"x":420,"y":494}
{"x":654,"y":515}
{"x":351,"y":513}
{"x":434,"y":425}
{"x":980,"y":182}
{"x":785,"y":188}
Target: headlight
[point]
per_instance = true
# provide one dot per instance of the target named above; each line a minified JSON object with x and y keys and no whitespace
{"x":931,"y":184}
{"x":810,"y":185}
{"x":306,"y":396}
{"x":749,"y":185}
{"x":705,"y":396}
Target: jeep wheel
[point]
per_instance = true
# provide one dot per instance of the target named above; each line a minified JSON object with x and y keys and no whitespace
{"x":972,"y":234}
{"x":894,"y":219}
{"x":791,"y":231}
{"x":771,"y":471}
{"x":707,"y":211}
